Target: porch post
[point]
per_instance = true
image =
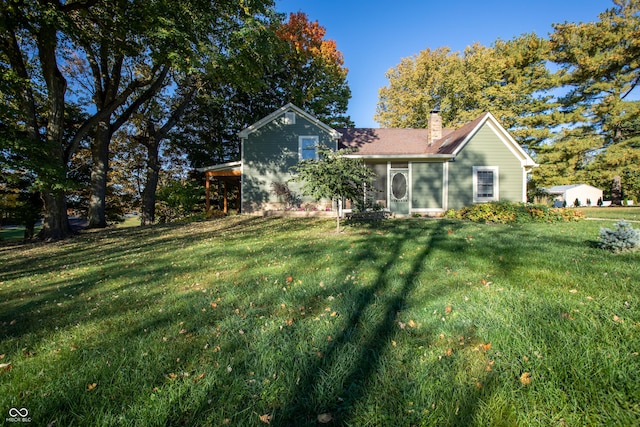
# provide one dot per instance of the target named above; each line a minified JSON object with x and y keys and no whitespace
{"x":224,"y":186}
{"x":208,"y":192}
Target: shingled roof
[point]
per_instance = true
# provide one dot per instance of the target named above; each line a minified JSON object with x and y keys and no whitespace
{"x":410,"y":142}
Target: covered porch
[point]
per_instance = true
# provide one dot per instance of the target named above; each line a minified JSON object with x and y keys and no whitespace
{"x":228,"y":175}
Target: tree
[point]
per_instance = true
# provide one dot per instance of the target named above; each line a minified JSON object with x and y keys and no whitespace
{"x":335,"y":176}
{"x":133,"y":43}
{"x":510,"y":79}
{"x":599,"y":70}
{"x":313,"y":73}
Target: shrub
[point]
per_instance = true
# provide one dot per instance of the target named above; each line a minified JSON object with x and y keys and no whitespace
{"x":509,"y":212}
{"x":623,"y":238}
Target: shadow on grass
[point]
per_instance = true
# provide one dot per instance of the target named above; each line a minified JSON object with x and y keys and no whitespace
{"x":304,"y":403}
{"x":107,"y":256}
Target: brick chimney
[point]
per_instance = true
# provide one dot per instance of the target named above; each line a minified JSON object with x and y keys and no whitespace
{"x":435,"y":126}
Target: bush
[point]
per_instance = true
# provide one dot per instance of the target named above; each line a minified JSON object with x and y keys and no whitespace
{"x":509,"y":212}
{"x":623,"y":238}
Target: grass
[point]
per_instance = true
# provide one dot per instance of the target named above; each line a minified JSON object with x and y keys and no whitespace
{"x":245,"y":320}
{"x":624,"y":212}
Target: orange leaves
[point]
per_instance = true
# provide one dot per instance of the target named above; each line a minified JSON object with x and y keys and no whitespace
{"x":525,"y":378}
{"x":266,"y":418}
{"x":307,"y":38}
{"x":92,"y":386}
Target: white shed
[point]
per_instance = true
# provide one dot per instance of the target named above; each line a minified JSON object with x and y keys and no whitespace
{"x":586,"y":195}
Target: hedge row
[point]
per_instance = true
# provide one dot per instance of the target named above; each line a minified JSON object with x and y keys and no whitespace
{"x":509,"y":212}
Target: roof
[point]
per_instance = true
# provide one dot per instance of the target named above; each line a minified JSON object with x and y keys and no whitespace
{"x":389,"y":141}
{"x":222,"y":168}
{"x":559,"y":189}
{"x":385,"y":142}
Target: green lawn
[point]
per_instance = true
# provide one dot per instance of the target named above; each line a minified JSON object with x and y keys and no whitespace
{"x":246,"y":320}
{"x":623,"y":212}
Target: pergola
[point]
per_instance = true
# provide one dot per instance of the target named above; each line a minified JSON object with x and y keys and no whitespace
{"x":227,"y":173}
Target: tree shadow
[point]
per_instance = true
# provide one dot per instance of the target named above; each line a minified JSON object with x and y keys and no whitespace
{"x":303,"y":404}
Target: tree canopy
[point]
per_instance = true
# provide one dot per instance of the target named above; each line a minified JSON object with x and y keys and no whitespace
{"x":334,"y":175}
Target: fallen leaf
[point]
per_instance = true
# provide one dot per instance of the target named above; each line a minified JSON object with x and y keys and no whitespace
{"x":5,"y":367}
{"x":289,"y":321}
{"x":486,"y":347}
{"x":289,"y":279}
{"x":393,"y":343}
{"x":447,"y":309}
{"x":574,"y":291}
{"x":412,"y":324}
{"x":266,"y":418}
{"x":91,"y":386}
{"x":617,"y":319}
{"x":199,"y":377}
{"x":525,"y":378}
{"x":214,"y":305}
{"x":334,"y":314}
{"x":401,"y":325}
{"x":172,"y":376}
{"x":448,"y":352}
{"x":325,"y":418}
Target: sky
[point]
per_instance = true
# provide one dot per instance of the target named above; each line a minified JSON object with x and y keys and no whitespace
{"x":374,"y":35}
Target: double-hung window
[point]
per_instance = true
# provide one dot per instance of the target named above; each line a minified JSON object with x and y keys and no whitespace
{"x":308,"y":147}
{"x":485,"y":184}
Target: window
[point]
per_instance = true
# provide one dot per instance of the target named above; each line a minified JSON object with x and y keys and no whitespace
{"x":308,"y":147}
{"x":289,"y":118}
{"x":485,"y":183}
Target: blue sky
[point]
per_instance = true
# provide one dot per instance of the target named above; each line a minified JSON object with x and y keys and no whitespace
{"x":375,"y":35}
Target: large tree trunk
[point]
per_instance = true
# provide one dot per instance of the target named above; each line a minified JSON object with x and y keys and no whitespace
{"x":149,"y":192}
{"x":97,"y":217}
{"x":56,"y":223}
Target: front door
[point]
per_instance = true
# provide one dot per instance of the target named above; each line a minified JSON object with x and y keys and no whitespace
{"x":399,"y":191}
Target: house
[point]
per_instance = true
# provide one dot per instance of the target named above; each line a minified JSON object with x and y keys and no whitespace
{"x":586,"y":195}
{"x":424,"y":171}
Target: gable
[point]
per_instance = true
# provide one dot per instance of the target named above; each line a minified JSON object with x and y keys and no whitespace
{"x":488,"y":122}
{"x":286,"y":116}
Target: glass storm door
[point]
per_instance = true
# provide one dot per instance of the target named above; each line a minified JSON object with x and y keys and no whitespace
{"x":399,"y":191}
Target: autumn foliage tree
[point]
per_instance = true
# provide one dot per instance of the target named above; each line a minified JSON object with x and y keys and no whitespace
{"x":508,"y":79}
{"x":314,"y":72}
